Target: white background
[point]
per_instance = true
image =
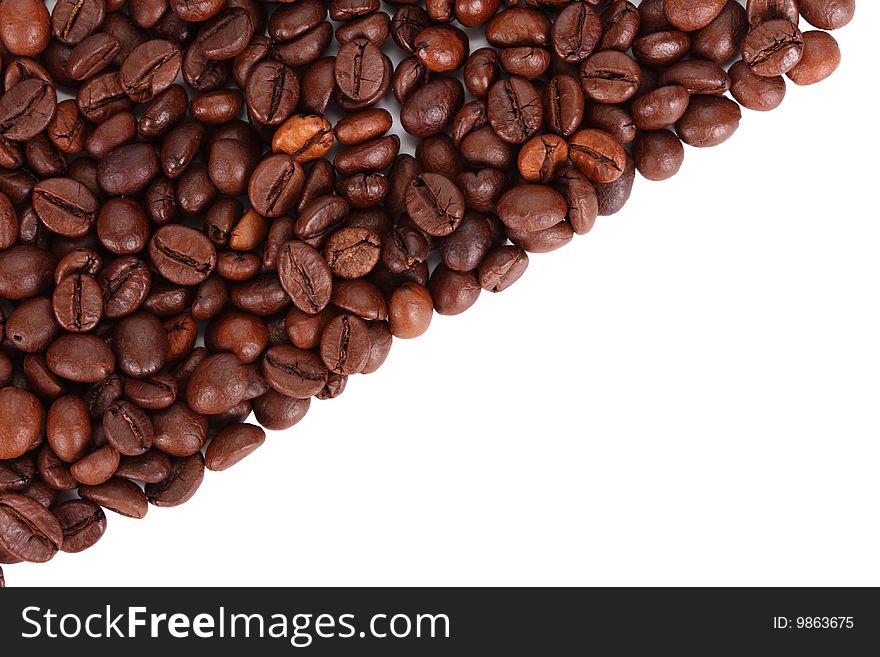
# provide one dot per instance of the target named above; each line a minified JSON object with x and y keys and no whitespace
{"x":688,"y":395}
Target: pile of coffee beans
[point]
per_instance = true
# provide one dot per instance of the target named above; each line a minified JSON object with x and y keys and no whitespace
{"x":178,"y":250}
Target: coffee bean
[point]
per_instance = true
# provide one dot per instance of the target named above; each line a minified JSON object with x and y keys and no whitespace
{"x":690,"y":15}
{"x":21,"y":422}
{"x":576,"y":32}
{"x":598,"y":155}
{"x":502,"y":268}
{"x":293,"y":372}
{"x":275,"y":185}
{"x":305,"y":276}
{"x":820,"y":59}
{"x":26,"y":109}
{"x":708,"y":121}
{"x":773,"y":48}
{"x":658,"y":154}
{"x":83,"y":523}
{"x":827,"y":14}
{"x":217,"y":384}
{"x":65,"y":206}
{"x":118,"y":495}
{"x":232,"y":444}
{"x":182,"y":255}
{"x":272,"y":92}
{"x":80,"y":357}
{"x":352,"y":252}
{"x":27,"y":530}
{"x":277,"y":412}
{"x":150,"y":69}
{"x":515,"y":110}
{"x":435,"y":204}
{"x":179,"y":431}
{"x":78,"y":303}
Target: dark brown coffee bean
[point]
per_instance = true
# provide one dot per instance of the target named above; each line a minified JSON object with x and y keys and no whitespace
{"x":305,"y":276}
{"x":24,"y":27}
{"x":753,"y":91}
{"x":27,"y":530}
{"x":410,"y":310}
{"x":151,"y":467}
{"x":345,"y":344}
{"x":429,"y":109}
{"x":690,"y":15}
{"x":232,"y":444}
{"x":660,"y":108}
{"x":773,"y":48}
{"x":502,"y":268}
{"x":658,"y":154}
{"x":179,"y":431}
{"x":140,"y":345}
{"x":92,"y":55}
{"x":80,"y":357}
{"x":217,"y":384}
{"x":65,"y":206}
{"x":182,"y":255}
{"x":435,"y":204}
{"x":598,"y":155}
{"x":126,"y":284}
{"x":26,"y":109}
{"x":152,"y":393}
{"x":563,"y":105}
{"x":275,"y":185}
{"x":293,"y":372}
{"x":150,"y":69}
{"x":821,"y":58}
{"x":760,"y":11}
{"x":128,"y":169}
{"x":576,"y":32}
{"x":352,"y":252}
{"x":278,"y":412}
{"x":82,"y":523}
{"x":118,"y":495}
{"x":515,"y":110}
{"x":697,"y":76}
{"x":22,"y":422}
{"x":74,"y":20}
{"x":163,"y":112}
{"x":609,"y":76}
{"x":78,"y":303}
{"x":272,"y":92}
{"x":827,"y":14}
{"x":708,"y":121}
{"x":97,"y":467}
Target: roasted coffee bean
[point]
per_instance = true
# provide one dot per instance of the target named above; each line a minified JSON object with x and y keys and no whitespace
{"x":118,"y":495}
{"x":515,"y":110}
{"x":658,"y":155}
{"x":610,"y":76}
{"x":827,"y":14}
{"x":26,"y":109}
{"x":83,"y":523}
{"x":232,"y":444}
{"x":660,"y":108}
{"x":352,"y":252}
{"x":293,"y":372}
{"x":563,"y":105}
{"x":773,"y":48}
{"x":28,"y":531}
{"x":65,"y":206}
{"x":275,"y":185}
{"x":502,"y":268}
{"x":697,"y":76}
{"x":80,"y":357}
{"x":217,"y":384}
{"x":753,"y":91}
{"x":541,"y":157}
{"x":163,"y":112}
{"x":305,"y":276}
{"x":150,"y":467}
{"x":78,"y":303}
{"x":431,"y":107}
{"x":708,"y":121}
{"x":277,"y":412}
{"x":481,"y":71}
{"x":576,"y":32}
{"x":179,"y":431}
{"x":182,"y":255}
{"x":435,"y":204}
{"x":24,"y":27}
{"x":410,"y":310}
{"x":272,"y":92}
{"x":152,"y":393}
{"x":126,"y":284}
{"x":597,"y":154}
{"x":759,"y":11}
{"x":690,"y":15}
{"x":303,"y":137}
{"x":820,"y":59}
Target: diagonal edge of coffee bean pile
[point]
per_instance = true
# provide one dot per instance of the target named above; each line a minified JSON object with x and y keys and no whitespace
{"x":142,"y":217}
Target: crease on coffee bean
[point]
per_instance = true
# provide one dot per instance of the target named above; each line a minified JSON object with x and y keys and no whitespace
{"x":87,"y":216}
{"x":342,"y":351}
{"x":589,"y":152}
{"x":36,"y":533}
{"x":292,"y":368}
{"x":182,"y":258}
{"x":95,"y":517}
{"x":142,"y":84}
{"x":71,"y":18}
{"x":27,"y":108}
{"x":789,"y":39}
{"x":344,"y":251}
